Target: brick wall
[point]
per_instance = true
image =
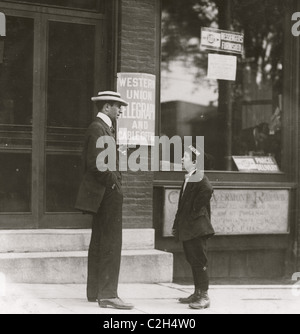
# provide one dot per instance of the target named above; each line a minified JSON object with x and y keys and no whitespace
{"x":137,"y":36}
{"x":137,"y":54}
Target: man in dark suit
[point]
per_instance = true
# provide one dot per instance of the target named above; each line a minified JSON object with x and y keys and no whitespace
{"x":192,"y":226}
{"x":100,"y":194}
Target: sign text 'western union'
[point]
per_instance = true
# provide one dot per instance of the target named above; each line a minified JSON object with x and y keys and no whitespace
{"x":222,"y":40}
{"x":136,"y":126}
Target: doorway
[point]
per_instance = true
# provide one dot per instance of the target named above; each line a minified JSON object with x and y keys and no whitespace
{"x":54,"y":61}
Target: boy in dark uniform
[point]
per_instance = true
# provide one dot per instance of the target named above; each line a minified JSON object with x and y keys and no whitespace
{"x":193,"y":227}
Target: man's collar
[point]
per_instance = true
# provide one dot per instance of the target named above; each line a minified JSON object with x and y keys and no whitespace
{"x":105,"y":119}
{"x":194,"y":176}
{"x":188,"y":175}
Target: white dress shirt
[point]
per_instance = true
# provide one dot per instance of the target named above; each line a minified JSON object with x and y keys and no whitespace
{"x":187,"y":177}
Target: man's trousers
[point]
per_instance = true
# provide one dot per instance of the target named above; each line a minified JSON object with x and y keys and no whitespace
{"x":104,"y":255}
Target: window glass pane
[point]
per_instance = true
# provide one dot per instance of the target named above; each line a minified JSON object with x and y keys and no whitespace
{"x":16,"y":73}
{"x":71,"y":74}
{"x":237,"y":118}
{"x":70,"y":84}
{"x":15,"y":183}
{"x":62,"y":182}
{"x":16,"y":92}
{"x":94,"y":5}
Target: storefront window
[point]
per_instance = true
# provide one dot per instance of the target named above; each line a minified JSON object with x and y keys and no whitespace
{"x":238,"y":118}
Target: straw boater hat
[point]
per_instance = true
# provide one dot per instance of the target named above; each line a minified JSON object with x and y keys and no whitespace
{"x":110,"y":96}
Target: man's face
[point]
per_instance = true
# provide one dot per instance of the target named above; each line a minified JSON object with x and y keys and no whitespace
{"x":187,"y":162}
{"x":261,"y":137}
{"x":114,"y":111}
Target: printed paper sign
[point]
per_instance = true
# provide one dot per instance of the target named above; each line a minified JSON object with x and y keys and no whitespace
{"x":250,"y":211}
{"x":136,"y":125}
{"x":245,"y":163}
{"x":2,"y":25}
{"x":222,"y":40}
{"x":238,"y":211}
{"x":222,"y":67}
{"x":256,"y":164}
{"x":211,"y":39}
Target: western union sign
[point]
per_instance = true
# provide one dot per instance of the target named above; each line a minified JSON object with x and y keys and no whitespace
{"x":222,"y":40}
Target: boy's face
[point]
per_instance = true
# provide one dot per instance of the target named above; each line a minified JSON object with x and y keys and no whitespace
{"x":187,"y":162}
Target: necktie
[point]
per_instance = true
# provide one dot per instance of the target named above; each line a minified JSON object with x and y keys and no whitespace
{"x":187,"y":176}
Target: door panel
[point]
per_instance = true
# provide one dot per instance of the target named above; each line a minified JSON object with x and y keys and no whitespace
{"x":50,"y":69}
{"x":71,"y":50}
{"x":70,"y":85}
{"x":16,"y":110}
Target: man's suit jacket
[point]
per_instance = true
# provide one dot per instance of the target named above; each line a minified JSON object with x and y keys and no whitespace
{"x":95,"y":182}
{"x":193,"y":218}
{"x":246,"y":143}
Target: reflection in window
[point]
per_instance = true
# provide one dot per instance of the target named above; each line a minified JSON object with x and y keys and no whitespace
{"x":236,"y":118}
{"x":62,"y":182}
{"x":15,"y":183}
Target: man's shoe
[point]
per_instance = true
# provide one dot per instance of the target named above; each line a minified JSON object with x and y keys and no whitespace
{"x":191,"y":299}
{"x":202,"y":303}
{"x":116,"y":303}
{"x":92,"y":300}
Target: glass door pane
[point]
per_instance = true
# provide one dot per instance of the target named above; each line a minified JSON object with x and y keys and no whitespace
{"x":71,"y":53}
{"x":16,"y":105}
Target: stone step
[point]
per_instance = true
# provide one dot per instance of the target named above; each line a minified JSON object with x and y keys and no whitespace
{"x":23,"y":241}
{"x":138,"y":266}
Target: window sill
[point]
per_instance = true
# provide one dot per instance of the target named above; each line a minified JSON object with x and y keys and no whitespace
{"x":230,"y":180}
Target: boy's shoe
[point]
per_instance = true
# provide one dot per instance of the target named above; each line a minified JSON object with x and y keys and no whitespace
{"x":192,"y":298}
{"x":202,"y":303}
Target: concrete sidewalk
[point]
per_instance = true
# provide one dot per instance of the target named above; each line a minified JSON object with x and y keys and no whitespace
{"x":151,"y":299}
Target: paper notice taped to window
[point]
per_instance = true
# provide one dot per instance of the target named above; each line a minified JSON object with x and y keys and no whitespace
{"x":221,"y":67}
